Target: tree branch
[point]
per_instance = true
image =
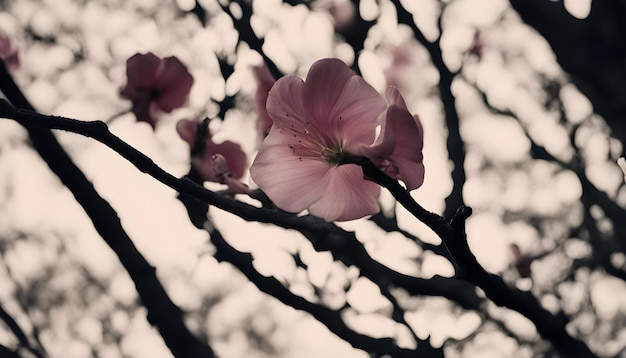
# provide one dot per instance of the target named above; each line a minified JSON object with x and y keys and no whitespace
{"x":332,"y":319}
{"x":454,"y":142}
{"x":453,"y":235}
{"x":162,"y":312}
{"x":324,"y":235}
{"x":591,"y":50}
{"x":19,"y":334}
{"x":246,"y":33}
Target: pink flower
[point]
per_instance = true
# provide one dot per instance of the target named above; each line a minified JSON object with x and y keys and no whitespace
{"x":265,"y":81}
{"x":317,"y":123}
{"x":320,"y":126}
{"x":217,"y":162}
{"x":398,"y":149}
{"x":155,"y":85}
{"x":9,"y":53}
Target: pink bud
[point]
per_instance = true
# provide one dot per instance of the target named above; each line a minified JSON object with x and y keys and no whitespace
{"x":220,"y":167}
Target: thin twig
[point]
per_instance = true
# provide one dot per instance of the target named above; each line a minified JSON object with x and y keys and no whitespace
{"x":162,"y":312}
{"x":332,"y":319}
{"x":19,"y":334}
{"x":323,"y":235}
{"x":452,"y":233}
{"x":454,"y":141}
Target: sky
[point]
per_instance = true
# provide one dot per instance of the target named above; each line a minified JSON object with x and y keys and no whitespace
{"x":58,"y":239}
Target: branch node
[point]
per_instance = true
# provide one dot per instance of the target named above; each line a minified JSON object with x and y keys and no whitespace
{"x":458,"y":221}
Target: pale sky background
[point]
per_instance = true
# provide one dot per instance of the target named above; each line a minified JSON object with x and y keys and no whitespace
{"x":33,"y":201}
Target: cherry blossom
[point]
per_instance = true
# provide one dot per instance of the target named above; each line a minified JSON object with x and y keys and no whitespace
{"x":265,"y":81}
{"x":223,"y":162}
{"x":398,"y":149}
{"x":320,"y":124}
{"x":155,"y":85}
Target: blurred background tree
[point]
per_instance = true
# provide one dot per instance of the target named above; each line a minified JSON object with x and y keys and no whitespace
{"x":523,"y":109}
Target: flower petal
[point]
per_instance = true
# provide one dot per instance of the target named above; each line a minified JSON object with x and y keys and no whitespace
{"x":235,"y":157}
{"x":291,"y":182}
{"x":410,"y":172}
{"x":285,"y":102}
{"x":357,"y":110}
{"x":407,"y":155}
{"x":141,"y":69}
{"x":265,"y":81}
{"x":393,"y":96}
{"x":342,"y":104}
{"x":398,"y":148}
{"x":143,"y":111}
{"x":187,"y":130}
{"x":173,"y":83}
{"x":348,"y":195}
{"x":384,"y":143}
{"x":285,"y":105}
{"x":324,"y":84}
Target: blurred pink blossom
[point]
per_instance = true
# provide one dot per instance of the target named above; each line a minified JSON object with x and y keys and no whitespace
{"x":9,"y":53}
{"x":318,"y":125}
{"x":155,"y":85}
{"x":401,"y":62}
{"x":223,"y":162}
{"x":265,"y":81}
{"x":342,"y":13}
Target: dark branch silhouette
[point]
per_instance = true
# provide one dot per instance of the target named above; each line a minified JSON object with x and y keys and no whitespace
{"x":591,"y":50}
{"x":162,"y":312}
{"x":455,"y":145}
{"x":452,"y":233}
{"x":323,"y":235}
{"x":332,"y":319}
{"x":19,"y":334}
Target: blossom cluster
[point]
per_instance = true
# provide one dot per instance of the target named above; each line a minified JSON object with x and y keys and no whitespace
{"x":319,"y":126}
{"x":313,"y":133}
{"x":157,"y":86}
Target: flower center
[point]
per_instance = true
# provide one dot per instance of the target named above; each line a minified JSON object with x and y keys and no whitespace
{"x":335,"y":155}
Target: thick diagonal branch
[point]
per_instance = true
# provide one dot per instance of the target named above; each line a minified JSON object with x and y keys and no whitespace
{"x":453,"y":235}
{"x":326,"y":235}
{"x":162,"y":312}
